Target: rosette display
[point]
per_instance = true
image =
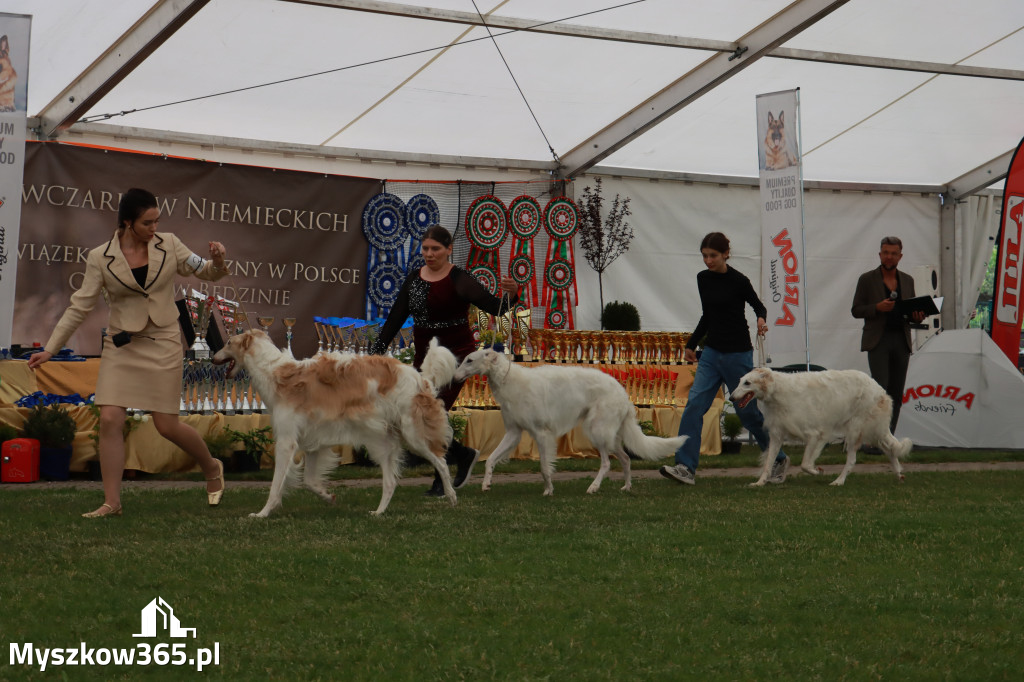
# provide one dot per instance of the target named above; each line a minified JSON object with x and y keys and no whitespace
{"x":487,"y":223}
{"x":384,"y":224}
{"x":487,"y":276}
{"x":486,"y":229}
{"x":525,"y":219}
{"x":561,"y":219}
{"x":555,"y":319}
{"x":558,"y":275}
{"x":383,"y":282}
{"x":421,"y":212}
{"x":521,"y":270}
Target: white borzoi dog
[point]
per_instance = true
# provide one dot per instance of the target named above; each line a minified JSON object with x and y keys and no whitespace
{"x":341,"y":398}
{"x":814,"y":407}
{"x":548,"y":401}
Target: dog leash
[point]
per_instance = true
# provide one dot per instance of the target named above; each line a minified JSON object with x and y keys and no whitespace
{"x":760,"y":352}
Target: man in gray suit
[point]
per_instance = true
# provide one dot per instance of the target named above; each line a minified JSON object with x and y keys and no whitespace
{"x":886,"y":336}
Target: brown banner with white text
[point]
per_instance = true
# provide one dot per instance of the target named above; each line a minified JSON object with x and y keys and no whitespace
{"x":294,"y":240}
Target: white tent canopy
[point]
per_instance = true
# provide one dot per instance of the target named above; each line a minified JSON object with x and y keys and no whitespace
{"x":895,"y":92}
{"x":908,"y":107}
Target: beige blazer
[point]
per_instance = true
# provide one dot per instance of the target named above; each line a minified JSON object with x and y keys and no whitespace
{"x":132,"y":306}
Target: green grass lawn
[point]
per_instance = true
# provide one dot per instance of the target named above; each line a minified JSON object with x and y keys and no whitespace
{"x":875,"y":580}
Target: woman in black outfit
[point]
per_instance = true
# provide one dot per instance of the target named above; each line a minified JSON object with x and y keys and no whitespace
{"x":438,"y":296}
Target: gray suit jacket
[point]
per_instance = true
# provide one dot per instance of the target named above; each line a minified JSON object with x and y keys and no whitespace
{"x":871,"y":290}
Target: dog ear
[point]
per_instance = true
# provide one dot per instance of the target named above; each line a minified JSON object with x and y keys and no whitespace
{"x":245,"y":341}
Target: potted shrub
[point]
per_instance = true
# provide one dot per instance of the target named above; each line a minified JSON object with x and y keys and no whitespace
{"x":731,"y":427}
{"x":54,"y":428}
{"x":620,"y":316}
{"x":254,"y":442}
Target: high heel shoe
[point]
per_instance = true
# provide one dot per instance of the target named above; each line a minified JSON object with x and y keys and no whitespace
{"x":214,"y":497}
{"x":99,"y":513}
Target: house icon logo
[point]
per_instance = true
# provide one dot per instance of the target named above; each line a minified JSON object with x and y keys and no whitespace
{"x":158,"y":615}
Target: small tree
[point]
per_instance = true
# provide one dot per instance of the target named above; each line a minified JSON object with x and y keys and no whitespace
{"x":605,"y":240}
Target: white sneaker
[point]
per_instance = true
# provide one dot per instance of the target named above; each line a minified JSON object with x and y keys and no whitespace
{"x":678,"y":473}
{"x":779,"y":469}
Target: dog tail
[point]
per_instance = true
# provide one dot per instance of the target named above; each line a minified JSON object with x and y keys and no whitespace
{"x":647,"y":447}
{"x":439,"y":365}
{"x":891,"y":445}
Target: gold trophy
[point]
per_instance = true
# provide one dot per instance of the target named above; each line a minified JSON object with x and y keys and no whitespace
{"x":523,"y":325}
{"x":264,"y":322}
{"x":600,"y":347}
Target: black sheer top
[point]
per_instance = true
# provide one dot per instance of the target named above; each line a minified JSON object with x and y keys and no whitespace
{"x":438,"y":306}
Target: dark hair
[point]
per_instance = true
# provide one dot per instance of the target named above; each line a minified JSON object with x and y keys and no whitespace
{"x":891,"y":241}
{"x":438,"y":234}
{"x":715,"y":240}
{"x":134,"y":203}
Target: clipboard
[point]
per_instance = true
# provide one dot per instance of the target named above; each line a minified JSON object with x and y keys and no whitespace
{"x":926,"y":304}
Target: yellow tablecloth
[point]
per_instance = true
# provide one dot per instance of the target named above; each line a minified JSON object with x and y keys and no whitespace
{"x":146,"y":450}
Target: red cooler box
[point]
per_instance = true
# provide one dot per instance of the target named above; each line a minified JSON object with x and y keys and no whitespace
{"x":19,"y":461}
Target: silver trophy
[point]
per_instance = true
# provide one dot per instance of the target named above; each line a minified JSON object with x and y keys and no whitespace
{"x":200,"y":309}
{"x":288,"y":322}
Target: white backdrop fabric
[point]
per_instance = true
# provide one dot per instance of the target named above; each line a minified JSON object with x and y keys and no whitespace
{"x":843,"y":231}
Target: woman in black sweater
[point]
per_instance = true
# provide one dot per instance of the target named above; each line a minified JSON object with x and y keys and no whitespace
{"x":726,"y":357}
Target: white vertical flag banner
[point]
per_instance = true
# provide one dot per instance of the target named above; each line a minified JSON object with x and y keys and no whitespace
{"x":14,"y":35}
{"x":782,"y":225}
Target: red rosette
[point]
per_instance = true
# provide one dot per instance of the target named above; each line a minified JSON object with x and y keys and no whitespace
{"x":524,"y":217}
{"x":562,"y":218}
{"x":486,"y":276}
{"x":487,"y":223}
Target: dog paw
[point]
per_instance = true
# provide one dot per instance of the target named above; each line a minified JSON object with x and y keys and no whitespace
{"x":837,"y":482}
{"x":376,"y":512}
{"x":591,"y":490}
{"x":549,"y":493}
{"x":257,"y":515}
{"x":902,"y":478}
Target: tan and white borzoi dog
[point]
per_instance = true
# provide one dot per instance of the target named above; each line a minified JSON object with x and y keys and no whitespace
{"x":813,"y":407}
{"x":341,"y":398}
{"x":548,"y":401}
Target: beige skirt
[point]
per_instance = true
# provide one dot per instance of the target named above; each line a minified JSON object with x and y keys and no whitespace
{"x":144,"y":374}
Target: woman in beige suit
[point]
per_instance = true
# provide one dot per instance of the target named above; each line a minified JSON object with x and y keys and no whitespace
{"x":141,"y":359}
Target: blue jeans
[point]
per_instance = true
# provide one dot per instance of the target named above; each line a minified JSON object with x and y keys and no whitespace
{"x":713,"y":370}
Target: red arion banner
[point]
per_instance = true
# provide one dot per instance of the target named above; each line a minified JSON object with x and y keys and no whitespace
{"x":1007,"y":307}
